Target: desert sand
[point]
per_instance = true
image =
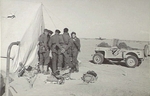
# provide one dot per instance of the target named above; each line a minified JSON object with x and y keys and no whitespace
{"x":113,"y":79}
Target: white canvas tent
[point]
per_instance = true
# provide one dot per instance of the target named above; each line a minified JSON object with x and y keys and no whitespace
{"x":26,"y":26}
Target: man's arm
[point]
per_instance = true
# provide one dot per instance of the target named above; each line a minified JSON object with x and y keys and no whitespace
{"x":69,"y":44}
{"x":45,"y":39}
{"x":77,"y":43}
{"x":60,"y":41}
{"x":50,"y":44}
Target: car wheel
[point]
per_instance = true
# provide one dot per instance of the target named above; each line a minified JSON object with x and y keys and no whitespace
{"x":98,"y":58}
{"x":131,"y":61}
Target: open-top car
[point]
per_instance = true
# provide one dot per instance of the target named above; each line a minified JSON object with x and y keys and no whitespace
{"x":132,"y":56}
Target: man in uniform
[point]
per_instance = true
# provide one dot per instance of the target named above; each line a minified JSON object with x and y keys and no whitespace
{"x":75,"y":49}
{"x":67,"y":49}
{"x":44,"y":50}
{"x":56,"y":47}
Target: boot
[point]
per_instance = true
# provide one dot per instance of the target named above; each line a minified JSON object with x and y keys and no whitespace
{"x":45,"y":70}
{"x":41,"y":68}
{"x":77,"y":68}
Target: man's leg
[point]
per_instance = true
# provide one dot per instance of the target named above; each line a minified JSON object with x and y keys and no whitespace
{"x":49,"y":64}
{"x":46,"y":60}
{"x":54,"y":62}
{"x":41,"y":61}
{"x":67,"y":61}
{"x":60,"y":61}
{"x":75,"y":61}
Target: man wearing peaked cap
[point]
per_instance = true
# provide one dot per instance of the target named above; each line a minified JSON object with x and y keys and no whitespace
{"x":66,"y":49}
{"x":75,"y":49}
{"x":50,"y":32}
{"x":56,"y":47}
{"x":57,"y":31}
{"x":44,"y":49}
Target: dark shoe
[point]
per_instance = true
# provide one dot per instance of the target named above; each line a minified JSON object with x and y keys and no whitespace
{"x":77,"y":71}
{"x":72,"y":70}
{"x":56,"y":73}
{"x":67,"y":67}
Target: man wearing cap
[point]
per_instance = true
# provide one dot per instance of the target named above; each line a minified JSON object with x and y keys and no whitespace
{"x":44,"y":50}
{"x":75,"y":49}
{"x":67,"y":48}
{"x":56,"y":47}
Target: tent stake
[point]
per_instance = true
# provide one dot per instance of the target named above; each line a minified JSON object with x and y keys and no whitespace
{"x":8,"y":66}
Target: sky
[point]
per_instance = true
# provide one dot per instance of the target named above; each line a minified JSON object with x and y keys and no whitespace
{"x":122,"y":19}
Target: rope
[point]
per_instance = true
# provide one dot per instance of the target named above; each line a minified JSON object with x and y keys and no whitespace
{"x":13,"y":89}
{"x":49,"y":16}
{"x":58,"y":18}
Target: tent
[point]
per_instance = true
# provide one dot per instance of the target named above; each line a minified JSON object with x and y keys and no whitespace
{"x":21,"y":21}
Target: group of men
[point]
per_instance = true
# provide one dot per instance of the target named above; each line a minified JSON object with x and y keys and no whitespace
{"x":63,"y":48}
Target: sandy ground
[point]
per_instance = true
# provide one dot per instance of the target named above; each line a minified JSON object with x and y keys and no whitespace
{"x":113,"y":79}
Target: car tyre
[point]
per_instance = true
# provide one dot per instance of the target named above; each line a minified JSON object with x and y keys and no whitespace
{"x":146,"y":50}
{"x":139,"y":62}
{"x":131,"y":61}
{"x":98,"y":58}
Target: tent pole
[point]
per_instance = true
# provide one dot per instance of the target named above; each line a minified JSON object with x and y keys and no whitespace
{"x":8,"y":65}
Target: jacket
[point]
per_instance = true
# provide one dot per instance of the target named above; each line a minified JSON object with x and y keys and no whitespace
{"x":43,"y":42}
{"x":55,"y":43}
{"x":76,"y":44}
{"x":66,"y":41}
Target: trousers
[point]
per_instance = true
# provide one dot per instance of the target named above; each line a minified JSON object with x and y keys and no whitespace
{"x":44,"y":60}
{"x":75,"y":60}
{"x":67,"y":60}
{"x":56,"y":61}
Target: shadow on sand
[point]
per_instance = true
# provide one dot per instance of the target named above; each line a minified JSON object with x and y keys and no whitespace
{"x":121,"y":63}
{"x":111,"y":63}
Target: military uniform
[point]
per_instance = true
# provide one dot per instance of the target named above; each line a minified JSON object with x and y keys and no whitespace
{"x":67,"y":46}
{"x":43,"y":52}
{"x":75,"y":49}
{"x":55,"y":46}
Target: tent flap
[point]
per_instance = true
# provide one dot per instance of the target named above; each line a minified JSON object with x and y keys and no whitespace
{"x":26,"y":27}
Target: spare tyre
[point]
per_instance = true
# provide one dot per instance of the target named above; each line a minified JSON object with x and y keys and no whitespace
{"x":146,"y":50}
